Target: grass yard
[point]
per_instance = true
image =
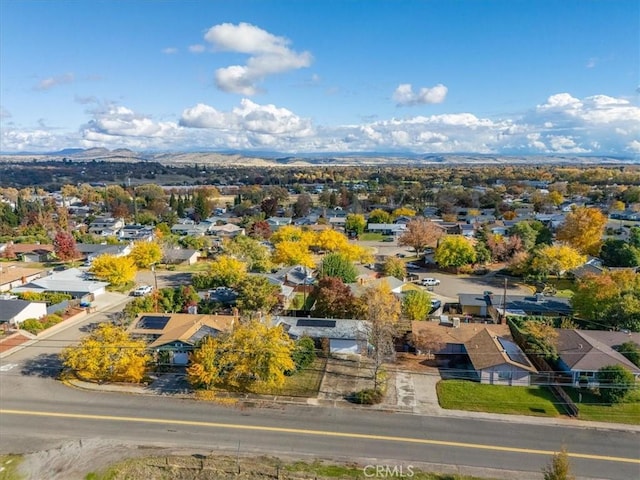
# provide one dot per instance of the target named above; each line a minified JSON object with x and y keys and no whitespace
{"x":302,"y":384}
{"x":9,"y":467}
{"x":371,"y":237}
{"x":592,"y":409}
{"x":477,"y":397}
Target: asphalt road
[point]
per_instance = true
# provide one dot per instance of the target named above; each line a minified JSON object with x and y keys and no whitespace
{"x":37,"y":412}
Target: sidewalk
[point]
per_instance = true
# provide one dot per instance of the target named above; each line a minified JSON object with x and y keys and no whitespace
{"x":422,"y":407}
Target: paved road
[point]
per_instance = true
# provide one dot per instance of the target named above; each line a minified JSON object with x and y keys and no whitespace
{"x":37,"y":412}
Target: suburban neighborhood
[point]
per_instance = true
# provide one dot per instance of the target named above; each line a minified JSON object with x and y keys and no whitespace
{"x":335,"y":296}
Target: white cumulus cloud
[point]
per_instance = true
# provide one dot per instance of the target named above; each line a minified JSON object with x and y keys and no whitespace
{"x":404,"y":95}
{"x":269,"y":55}
{"x":197,"y":48}
{"x":170,"y":50}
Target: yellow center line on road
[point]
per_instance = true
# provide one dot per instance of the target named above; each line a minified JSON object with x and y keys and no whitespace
{"x":323,"y":433}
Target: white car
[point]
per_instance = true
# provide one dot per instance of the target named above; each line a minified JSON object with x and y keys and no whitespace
{"x":430,"y":282}
{"x":142,"y":290}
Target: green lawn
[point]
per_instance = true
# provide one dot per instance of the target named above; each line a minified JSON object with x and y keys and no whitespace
{"x":592,"y":409}
{"x":302,"y":384}
{"x":9,"y":465}
{"x":371,"y":237}
{"x":477,"y":397}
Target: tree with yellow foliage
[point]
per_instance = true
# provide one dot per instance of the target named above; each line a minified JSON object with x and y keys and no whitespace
{"x":582,"y":229}
{"x":253,"y":353}
{"x":330,"y":240}
{"x":403,"y":212}
{"x":118,"y":271}
{"x":144,"y":254}
{"x":557,"y":259}
{"x":420,"y":234}
{"x":288,"y":252}
{"x":291,"y":233}
{"x":109,"y":354}
{"x":226,"y":271}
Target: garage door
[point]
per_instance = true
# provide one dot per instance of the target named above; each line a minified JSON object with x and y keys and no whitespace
{"x":343,"y":346}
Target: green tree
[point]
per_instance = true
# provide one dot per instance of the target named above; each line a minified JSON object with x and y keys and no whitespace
{"x":615,"y":383}
{"x":250,"y":251}
{"x":618,"y":253}
{"x":304,"y":353}
{"x":339,"y":266}
{"x":395,"y":267}
{"x":416,"y":305}
{"x":527,"y":234}
{"x":379,"y":216}
{"x":257,"y":294}
{"x":631,"y":351}
{"x":559,"y":468}
{"x":455,"y":251}
{"x":108,"y":354}
{"x":356,"y":223}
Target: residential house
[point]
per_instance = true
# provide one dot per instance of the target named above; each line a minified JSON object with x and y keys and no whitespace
{"x":387,"y":228}
{"x":15,"y":311}
{"x":175,"y":256}
{"x":137,"y":233}
{"x":90,"y":251}
{"x":482,"y":352}
{"x":189,"y":227}
{"x":106,"y":226}
{"x":345,"y":336}
{"x":29,"y":252}
{"x":583,"y":352}
{"x":72,"y":281}
{"x":593,"y":266}
{"x":173,"y":336}
{"x":498,"y":360}
{"x":277,"y":222}
{"x":228,"y":230}
{"x":12,"y":276}
{"x":497,"y":306}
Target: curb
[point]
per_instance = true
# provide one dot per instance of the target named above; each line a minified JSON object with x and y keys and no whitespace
{"x":324,"y":403}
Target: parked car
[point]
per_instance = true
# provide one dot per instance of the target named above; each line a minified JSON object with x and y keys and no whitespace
{"x":413,"y":266}
{"x":435,"y":305}
{"x":142,"y":290}
{"x":430,"y":282}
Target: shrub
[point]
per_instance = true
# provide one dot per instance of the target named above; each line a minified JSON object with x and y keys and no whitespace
{"x":368,"y":396}
{"x":304,"y":353}
{"x":615,"y":383}
{"x":32,"y":325}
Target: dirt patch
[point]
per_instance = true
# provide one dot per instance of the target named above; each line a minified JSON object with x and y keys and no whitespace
{"x":11,"y":341}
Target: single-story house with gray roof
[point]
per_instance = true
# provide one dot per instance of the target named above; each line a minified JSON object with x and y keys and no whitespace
{"x":344,"y":335}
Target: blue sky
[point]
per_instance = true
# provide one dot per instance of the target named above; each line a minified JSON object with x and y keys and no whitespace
{"x":442,"y":76}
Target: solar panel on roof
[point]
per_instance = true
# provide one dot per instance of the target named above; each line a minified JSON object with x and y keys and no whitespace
{"x":307,"y":322}
{"x":513,"y":352}
{"x":153,"y":322}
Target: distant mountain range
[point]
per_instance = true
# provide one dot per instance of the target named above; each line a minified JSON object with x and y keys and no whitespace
{"x":234,"y":158}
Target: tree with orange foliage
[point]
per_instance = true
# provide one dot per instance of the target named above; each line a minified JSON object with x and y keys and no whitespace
{"x":583,"y":229}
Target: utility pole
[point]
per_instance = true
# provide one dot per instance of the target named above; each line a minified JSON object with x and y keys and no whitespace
{"x":504,"y":301}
